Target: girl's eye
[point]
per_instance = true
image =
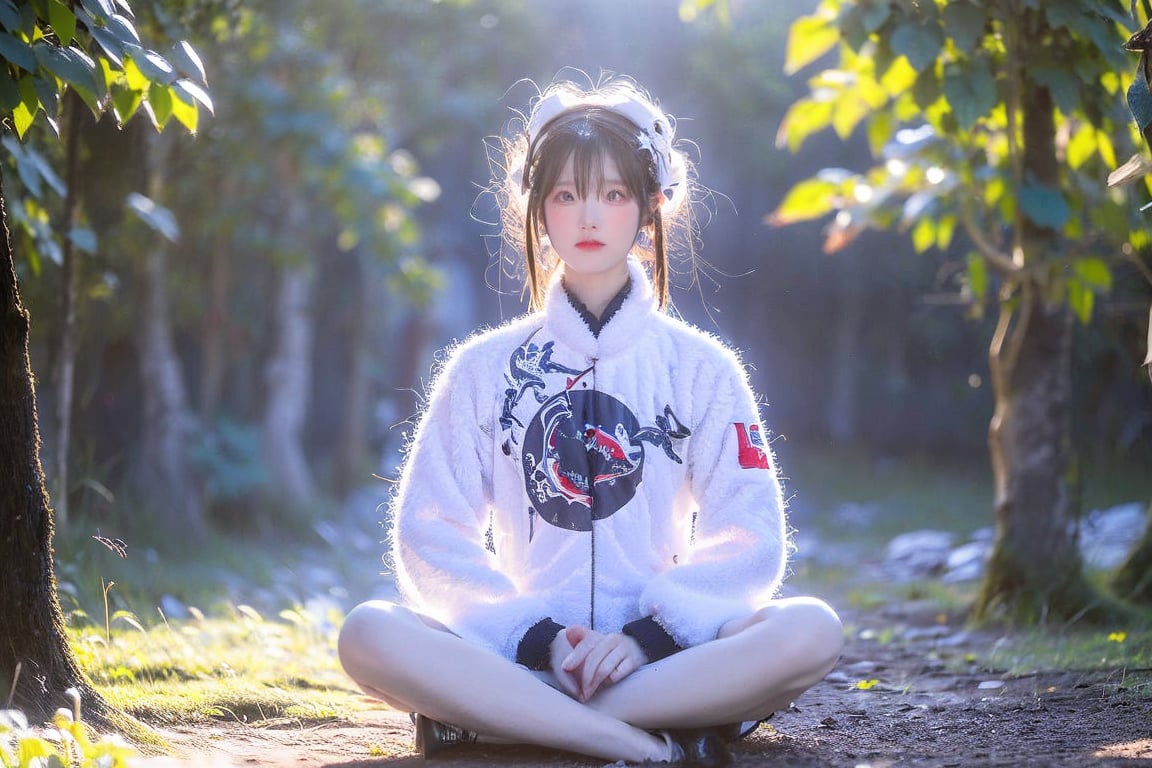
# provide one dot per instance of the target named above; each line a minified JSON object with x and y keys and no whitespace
{"x":617,"y":195}
{"x":563,"y":196}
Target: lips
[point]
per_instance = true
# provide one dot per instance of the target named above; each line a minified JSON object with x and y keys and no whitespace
{"x":589,"y":245}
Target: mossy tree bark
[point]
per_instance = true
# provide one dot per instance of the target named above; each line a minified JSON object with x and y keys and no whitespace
{"x":36,"y":663}
{"x":1035,"y":570}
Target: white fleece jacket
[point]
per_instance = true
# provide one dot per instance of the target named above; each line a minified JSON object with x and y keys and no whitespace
{"x":593,"y":480}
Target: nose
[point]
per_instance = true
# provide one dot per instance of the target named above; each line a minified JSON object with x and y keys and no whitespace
{"x":590,"y":214}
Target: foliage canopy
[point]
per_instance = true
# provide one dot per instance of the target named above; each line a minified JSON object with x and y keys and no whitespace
{"x":936,"y":89}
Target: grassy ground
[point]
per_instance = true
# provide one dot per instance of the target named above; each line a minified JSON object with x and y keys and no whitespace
{"x":275,"y":664}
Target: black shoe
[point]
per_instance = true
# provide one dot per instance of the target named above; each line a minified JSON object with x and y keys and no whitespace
{"x":701,"y":747}
{"x":737,"y":731}
{"x":433,"y":737}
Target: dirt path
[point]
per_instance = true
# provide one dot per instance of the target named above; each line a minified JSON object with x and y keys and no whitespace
{"x":925,"y":708}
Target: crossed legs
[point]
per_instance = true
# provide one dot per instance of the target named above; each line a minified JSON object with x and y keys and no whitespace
{"x":764,"y":662}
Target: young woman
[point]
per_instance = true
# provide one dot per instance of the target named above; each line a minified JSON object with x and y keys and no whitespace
{"x":589,"y":531}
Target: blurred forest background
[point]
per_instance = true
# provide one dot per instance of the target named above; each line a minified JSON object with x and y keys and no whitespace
{"x":256,"y":308}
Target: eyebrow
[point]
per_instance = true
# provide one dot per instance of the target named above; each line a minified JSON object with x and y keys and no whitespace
{"x":568,"y":181}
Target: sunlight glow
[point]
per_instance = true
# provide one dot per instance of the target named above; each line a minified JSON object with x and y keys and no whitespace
{"x":896,"y":167}
{"x":863,"y":193}
{"x":1132,"y":750}
{"x":935,"y":174}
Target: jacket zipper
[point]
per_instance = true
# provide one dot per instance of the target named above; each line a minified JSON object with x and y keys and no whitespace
{"x":592,"y":525}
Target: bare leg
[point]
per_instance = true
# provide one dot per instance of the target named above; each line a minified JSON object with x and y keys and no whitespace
{"x":393,"y":655}
{"x":763,"y":663}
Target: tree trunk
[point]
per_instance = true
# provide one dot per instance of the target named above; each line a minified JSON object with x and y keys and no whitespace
{"x":1035,"y":570}
{"x":33,"y":643}
{"x":287,"y":376}
{"x":352,"y":460}
{"x":169,"y":426}
{"x":215,"y":324}
{"x":1133,"y":580}
{"x":844,"y":398}
{"x":64,"y":375}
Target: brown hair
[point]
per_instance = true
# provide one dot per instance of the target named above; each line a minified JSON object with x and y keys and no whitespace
{"x":587,"y":133}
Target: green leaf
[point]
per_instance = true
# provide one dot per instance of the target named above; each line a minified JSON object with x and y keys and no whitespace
{"x":1081,"y":300}
{"x":28,"y":173}
{"x":153,"y":66}
{"x":1140,"y":103}
{"x":100,"y":9}
{"x":875,"y":15}
{"x":804,"y":118}
{"x":49,"y":94}
{"x":1064,"y":13}
{"x":84,"y":239}
{"x":18,"y":52}
{"x":809,"y":38}
{"x":919,"y":43}
{"x":1081,"y":147}
{"x":10,"y":16}
{"x":1106,"y":148}
{"x":1064,"y":88}
{"x":926,"y":89}
{"x":970,"y":91}
{"x":62,"y":20}
{"x":193,"y":94}
{"x":125,"y":102}
{"x":25,"y":112}
{"x":899,"y":77}
{"x":160,"y":99}
{"x":124,"y":30}
{"x":1093,"y":272}
{"x":945,"y":229}
{"x":880,"y":128}
{"x":187,"y":62}
{"x":71,"y":65}
{"x":977,"y":276}
{"x":924,"y":234}
{"x":112,"y":47}
{"x":184,"y":109}
{"x":847,"y":113}
{"x":1044,"y":206}
{"x":9,"y":94}
{"x":157,"y":217}
{"x":965,"y":24}
{"x":42,"y":168}
{"x":806,"y":200}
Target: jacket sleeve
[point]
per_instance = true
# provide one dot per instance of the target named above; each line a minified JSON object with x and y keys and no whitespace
{"x":739,"y":544}
{"x":440,"y":518}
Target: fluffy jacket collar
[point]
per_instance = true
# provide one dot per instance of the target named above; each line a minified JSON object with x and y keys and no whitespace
{"x":620,"y":333}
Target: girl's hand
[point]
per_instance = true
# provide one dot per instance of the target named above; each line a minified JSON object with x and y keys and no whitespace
{"x":597,"y":659}
{"x":561,"y":649}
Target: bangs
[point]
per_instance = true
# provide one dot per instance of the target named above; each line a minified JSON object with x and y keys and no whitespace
{"x":588,"y":137}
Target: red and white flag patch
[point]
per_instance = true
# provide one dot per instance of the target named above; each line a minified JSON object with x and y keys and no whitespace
{"x":752,"y":454}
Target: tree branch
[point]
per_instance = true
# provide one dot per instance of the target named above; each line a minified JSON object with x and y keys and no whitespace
{"x":1001,"y":261}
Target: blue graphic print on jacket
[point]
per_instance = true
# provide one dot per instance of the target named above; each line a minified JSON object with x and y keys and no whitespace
{"x":583,"y":452}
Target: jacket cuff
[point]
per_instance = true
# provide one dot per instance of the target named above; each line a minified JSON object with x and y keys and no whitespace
{"x":654,"y":640}
{"x":534,"y":650}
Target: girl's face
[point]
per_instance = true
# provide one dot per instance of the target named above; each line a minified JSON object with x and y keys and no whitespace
{"x":592,"y":235}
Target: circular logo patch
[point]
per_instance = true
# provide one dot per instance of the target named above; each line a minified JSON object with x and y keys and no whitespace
{"x":582,"y":460}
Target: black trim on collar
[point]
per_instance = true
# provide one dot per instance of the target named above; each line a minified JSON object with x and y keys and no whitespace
{"x":596,"y":324}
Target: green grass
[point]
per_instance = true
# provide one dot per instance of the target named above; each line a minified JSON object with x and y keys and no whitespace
{"x":1126,"y":651}
{"x":242,"y":667}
